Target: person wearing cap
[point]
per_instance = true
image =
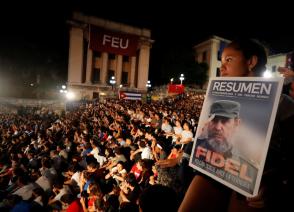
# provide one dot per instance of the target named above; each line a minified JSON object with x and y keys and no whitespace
{"x":218,"y":131}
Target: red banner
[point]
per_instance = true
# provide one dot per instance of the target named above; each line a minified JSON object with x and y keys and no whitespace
{"x":113,"y":42}
{"x":174,"y":88}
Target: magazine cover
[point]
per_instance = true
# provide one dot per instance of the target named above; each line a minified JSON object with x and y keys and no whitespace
{"x":234,"y":130}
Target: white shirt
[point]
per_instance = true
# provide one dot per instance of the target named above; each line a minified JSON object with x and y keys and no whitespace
{"x":95,"y":152}
{"x":64,"y":190}
{"x":100,"y":159}
{"x":26,"y":191}
{"x":146,"y":153}
{"x":186,"y":134}
{"x":167,"y":128}
{"x":177,"y":131}
{"x":76,"y":177}
{"x":44,"y":183}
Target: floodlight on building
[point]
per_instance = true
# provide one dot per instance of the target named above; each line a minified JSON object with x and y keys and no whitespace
{"x":70,"y":95}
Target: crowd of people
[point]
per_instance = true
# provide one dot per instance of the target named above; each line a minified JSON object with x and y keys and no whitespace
{"x":99,"y":157}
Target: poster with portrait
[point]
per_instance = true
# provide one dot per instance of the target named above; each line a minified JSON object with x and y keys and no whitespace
{"x":234,"y":130}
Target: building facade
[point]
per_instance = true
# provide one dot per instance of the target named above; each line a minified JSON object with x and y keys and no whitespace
{"x":101,"y":50}
{"x":209,"y":51}
{"x":274,"y":62}
{"x":279,"y":60}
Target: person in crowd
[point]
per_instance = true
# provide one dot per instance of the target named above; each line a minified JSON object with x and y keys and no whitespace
{"x":144,"y":149}
{"x":93,"y":200}
{"x":118,"y":157}
{"x":177,"y":131}
{"x":165,"y":126}
{"x":71,"y":204}
{"x":175,"y":152}
{"x":59,"y":189}
{"x":117,"y":173}
{"x":130,"y":190}
{"x":186,"y":135}
{"x":72,"y":176}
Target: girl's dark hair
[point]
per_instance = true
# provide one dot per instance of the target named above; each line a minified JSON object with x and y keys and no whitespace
{"x":249,"y":48}
{"x":131,"y":179}
{"x":67,"y":198}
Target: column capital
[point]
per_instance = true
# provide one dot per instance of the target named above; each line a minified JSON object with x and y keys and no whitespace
{"x":145,"y":42}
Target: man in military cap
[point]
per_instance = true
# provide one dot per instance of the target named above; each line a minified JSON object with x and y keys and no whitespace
{"x":222,"y":123}
{"x":215,"y":146}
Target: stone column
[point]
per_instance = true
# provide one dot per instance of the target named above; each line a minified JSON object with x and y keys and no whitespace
{"x":133,"y":71}
{"x":118,"y":71}
{"x":89,"y":69}
{"x":213,"y":58}
{"x":143,"y":66}
{"x":103,"y":73}
{"x":75,"y":58}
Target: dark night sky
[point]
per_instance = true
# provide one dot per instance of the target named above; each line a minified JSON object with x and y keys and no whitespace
{"x":35,"y":37}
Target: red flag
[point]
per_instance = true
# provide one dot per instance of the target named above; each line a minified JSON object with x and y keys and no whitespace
{"x":174,"y":88}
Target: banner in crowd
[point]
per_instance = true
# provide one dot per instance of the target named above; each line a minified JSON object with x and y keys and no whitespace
{"x":130,"y":95}
{"x":113,"y":42}
{"x":234,"y":131}
{"x":176,"y":88}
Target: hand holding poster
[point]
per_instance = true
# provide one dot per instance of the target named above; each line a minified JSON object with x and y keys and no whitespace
{"x":234,"y":131}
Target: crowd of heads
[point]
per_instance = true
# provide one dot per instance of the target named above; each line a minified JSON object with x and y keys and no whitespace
{"x":99,"y":157}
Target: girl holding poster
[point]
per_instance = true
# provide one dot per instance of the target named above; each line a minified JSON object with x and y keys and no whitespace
{"x":247,"y":58}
